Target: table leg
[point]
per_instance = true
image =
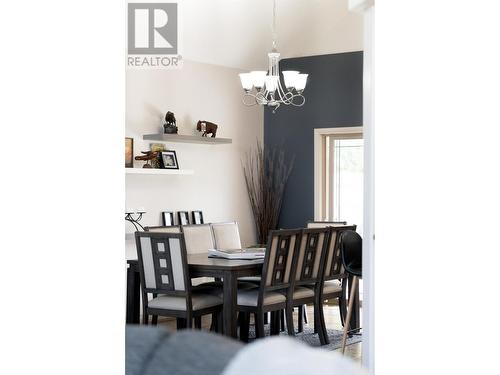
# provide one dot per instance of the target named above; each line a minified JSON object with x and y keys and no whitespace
{"x":230,"y":287}
{"x":133,"y":296}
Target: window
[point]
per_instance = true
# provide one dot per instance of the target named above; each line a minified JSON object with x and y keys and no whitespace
{"x":339,"y":175}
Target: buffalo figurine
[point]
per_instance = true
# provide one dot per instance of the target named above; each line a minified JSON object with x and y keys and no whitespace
{"x":170,"y":126}
{"x":207,"y":128}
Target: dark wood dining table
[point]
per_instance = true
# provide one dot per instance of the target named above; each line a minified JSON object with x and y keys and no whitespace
{"x":200,"y":265}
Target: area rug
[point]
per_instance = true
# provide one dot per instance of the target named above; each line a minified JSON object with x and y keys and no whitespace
{"x":309,"y":337}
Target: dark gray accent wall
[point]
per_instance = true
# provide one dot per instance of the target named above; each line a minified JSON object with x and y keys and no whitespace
{"x":334,"y":98}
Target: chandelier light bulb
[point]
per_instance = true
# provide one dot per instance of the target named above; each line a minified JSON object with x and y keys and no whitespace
{"x":290,"y":78}
{"x":300,"y":82}
{"x":246,"y":81}
{"x":258,"y":78}
{"x":271,"y":83}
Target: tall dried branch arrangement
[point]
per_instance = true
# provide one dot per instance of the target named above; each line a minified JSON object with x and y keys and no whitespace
{"x":266,"y":174}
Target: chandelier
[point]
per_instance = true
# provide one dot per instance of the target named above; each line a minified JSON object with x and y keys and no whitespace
{"x":265,"y":88}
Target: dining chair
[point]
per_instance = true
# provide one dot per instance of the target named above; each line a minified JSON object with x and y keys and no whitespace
{"x":333,"y":277}
{"x":164,"y":229}
{"x":198,"y":237}
{"x":307,"y":278}
{"x":226,"y":235}
{"x":277,"y":275}
{"x":164,"y":274}
{"x":316,"y":224}
{"x":351,"y":245}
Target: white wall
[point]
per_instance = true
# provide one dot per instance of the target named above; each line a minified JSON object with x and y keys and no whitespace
{"x":238,"y":33}
{"x":195,"y":92}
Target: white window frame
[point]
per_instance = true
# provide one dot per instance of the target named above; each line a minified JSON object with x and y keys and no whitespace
{"x":321,"y":188}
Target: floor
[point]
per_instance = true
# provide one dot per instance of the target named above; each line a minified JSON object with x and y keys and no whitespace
{"x":332,"y":320}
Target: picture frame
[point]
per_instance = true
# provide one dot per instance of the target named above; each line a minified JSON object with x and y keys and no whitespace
{"x":129,"y":152}
{"x":197,"y":217}
{"x":167,"y":218}
{"x":183,"y":217}
{"x":169,"y":160}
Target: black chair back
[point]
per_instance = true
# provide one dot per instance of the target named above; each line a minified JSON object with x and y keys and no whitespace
{"x":333,"y":268}
{"x":351,"y":245}
{"x":313,"y":243}
{"x":280,"y":258}
{"x":163,"y":263}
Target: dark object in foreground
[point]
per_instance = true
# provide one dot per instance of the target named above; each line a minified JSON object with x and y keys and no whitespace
{"x":351,"y":245}
{"x":155,"y":351}
{"x":207,"y":128}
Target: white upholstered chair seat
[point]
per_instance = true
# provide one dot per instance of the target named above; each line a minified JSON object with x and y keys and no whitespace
{"x":303,"y":292}
{"x":199,"y":300}
{"x":249,"y":297}
{"x":332,"y":286}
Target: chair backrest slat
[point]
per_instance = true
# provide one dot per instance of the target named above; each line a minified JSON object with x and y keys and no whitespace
{"x":199,"y":238}
{"x":313,"y":244}
{"x":164,"y":229}
{"x":333,"y":268}
{"x":163,"y":263}
{"x":226,"y":235}
{"x":279,"y":261}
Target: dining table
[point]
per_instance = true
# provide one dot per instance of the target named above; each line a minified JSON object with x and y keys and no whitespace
{"x":201,"y":265}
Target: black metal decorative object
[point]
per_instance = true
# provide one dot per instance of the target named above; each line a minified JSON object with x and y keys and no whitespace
{"x":170,"y":126}
{"x":135,"y":221}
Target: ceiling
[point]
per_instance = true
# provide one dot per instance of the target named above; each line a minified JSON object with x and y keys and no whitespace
{"x":238,"y":33}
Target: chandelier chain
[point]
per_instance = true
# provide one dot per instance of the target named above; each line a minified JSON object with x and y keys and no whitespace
{"x":274,"y":26}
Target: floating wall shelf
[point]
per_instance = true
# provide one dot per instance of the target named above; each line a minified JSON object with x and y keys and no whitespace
{"x":186,"y":139}
{"x":158,"y":171}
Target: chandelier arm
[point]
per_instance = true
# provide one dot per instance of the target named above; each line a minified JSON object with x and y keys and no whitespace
{"x":298,"y":104}
{"x":261,"y":96}
{"x":252,"y":103}
{"x":284,"y":96}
